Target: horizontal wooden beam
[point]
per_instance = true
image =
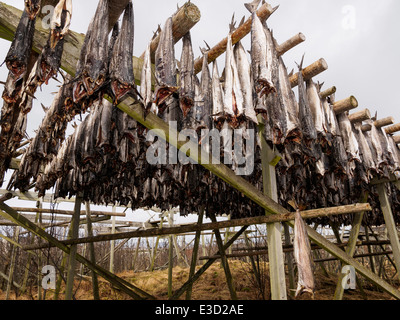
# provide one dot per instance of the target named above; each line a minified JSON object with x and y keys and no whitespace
{"x":70,"y":213}
{"x":345,"y":105}
{"x":393,"y":129}
{"x":263,"y":13}
{"x":360,"y":116}
{"x":366,"y":127}
{"x":182,"y":22}
{"x":310,"y":214}
{"x":309,"y":72}
{"x":384,"y":122}
{"x":290,"y":44}
{"x":396,"y":139}
{"x":328,"y":92}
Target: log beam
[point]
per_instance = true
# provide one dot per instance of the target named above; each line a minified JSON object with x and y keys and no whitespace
{"x":289,"y":216}
{"x":290,"y":44}
{"x":182,"y":22}
{"x":309,"y":72}
{"x":345,"y":105}
{"x":396,"y":139}
{"x":325,"y":94}
{"x":366,"y":127}
{"x":360,"y":116}
{"x":384,"y":122}
{"x":66,"y":212}
{"x":393,"y":129}
{"x":263,"y":13}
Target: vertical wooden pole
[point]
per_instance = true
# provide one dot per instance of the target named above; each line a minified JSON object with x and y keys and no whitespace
{"x":92,"y":253}
{"x":371,"y":258}
{"x":253,"y":263}
{"x":351,"y":245}
{"x":195,"y":254}
{"x":136,"y":254}
{"x":154,"y":254}
{"x":170,"y":258}
{"x":224,"y":260}
{"x":74,"y":249}
{"x":289,"y":261}
{"x":390,"y":225}
{"x":12,"y":263}
{"x":274,"y":235}
{"x":112,"y":247}
{"x":40,"y":255}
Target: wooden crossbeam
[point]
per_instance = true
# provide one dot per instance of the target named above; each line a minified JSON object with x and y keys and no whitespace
{"x":311,"y":214}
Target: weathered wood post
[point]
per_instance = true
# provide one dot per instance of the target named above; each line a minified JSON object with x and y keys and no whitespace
{"x":12,"y":263}
{"x":74,"y":248}
{"x":112,"y":246}
{"x":390,"y":225}
{"x":195,"y":254}
{"x":92,"y":253}
{"x":269,"y":160}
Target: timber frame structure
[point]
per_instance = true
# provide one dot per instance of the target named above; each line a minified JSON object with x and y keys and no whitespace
{"x":275,"y":214}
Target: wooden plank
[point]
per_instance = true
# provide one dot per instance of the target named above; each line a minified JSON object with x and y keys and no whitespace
{"x":182,"y":229}
{"x":390,"y":225}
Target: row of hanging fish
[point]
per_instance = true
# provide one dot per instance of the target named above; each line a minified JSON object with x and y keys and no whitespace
{"x":326,"y":160}
{"x":27,"y":72}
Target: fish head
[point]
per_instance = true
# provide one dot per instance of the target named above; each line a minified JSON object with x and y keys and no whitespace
{"x":264,"y":87}
{"x":32,"y":7}
{"x":120,"y":89}
{"x":163,"y":93}
{"x":79,"y":91}
{"x":93,"y":81}
{"x":186,"y":105}
{"x":16,"y":67}
{"x":46,"y":72}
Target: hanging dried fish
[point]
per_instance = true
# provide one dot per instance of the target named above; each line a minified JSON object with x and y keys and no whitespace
{"x":233,"y":97}
{"x":277,"y":115}
{"x":186,"y":93}
{"x":244,"y":71}
{"x":203,"y":109}
{"x":145,"y":83}
{"x":218,"y":97}
{"x":165,"y":70}
{"x":290,"y":103}
{"x":263,"y":84}
{"x":60,"y":22}
{"x":20,"y":50}
{"x":32,"y":7}
{"x":121,"y":65}
{"x":302,"y":254}
{"x":95,"y":63}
